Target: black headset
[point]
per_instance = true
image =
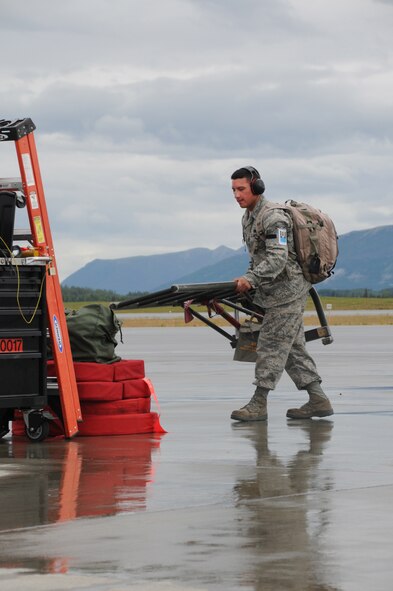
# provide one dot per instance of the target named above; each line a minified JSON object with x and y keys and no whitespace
{"x":256,"y":183}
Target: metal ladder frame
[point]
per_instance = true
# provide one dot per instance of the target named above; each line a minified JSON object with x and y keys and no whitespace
{"x":21,"y":131}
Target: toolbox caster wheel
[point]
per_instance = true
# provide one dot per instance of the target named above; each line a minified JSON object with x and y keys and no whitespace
{"x":38,"y":434}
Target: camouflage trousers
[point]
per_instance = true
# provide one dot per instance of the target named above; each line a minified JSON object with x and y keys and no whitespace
{"x":282,"y":345}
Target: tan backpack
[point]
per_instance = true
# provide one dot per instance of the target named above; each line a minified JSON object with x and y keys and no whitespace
{"x":315,"y":238}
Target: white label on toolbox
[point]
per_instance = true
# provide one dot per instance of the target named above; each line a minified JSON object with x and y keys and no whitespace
{"x":33,"y":200}
{"x":59,"y":339}
{"x":28,"y":169}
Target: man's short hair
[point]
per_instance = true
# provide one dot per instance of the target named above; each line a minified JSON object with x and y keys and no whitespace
{"x":242,"y":173}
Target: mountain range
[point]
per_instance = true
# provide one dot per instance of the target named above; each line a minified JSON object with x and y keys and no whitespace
{"x":365,"y":262}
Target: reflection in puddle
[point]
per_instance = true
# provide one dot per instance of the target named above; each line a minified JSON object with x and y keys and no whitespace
{"x":62,"y":480}
{"x":282,"y":522}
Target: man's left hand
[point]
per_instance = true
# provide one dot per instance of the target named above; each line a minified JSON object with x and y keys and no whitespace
{"x":242,"y":285}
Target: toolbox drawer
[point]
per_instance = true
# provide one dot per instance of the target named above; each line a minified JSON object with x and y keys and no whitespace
{"x":23,"y":336}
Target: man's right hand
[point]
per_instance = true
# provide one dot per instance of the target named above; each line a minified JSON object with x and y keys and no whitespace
{"x":242,"y":285}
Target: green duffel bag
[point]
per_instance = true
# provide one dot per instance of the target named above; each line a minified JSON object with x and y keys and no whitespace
{"x":92,"y":330}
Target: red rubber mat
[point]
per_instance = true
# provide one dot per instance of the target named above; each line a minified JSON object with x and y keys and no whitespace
{"x":100,"y":391}
{"x":139,"y":388}
{"x":125,"y":424}
{"x":96,"y":425}
{"x":88,"y":372}
{"x":126,"y":369}
{"x":131,"y":369}
{"x":134,"y":405}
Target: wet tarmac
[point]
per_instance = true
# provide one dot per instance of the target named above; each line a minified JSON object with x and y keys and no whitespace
{"x":212,"y":504}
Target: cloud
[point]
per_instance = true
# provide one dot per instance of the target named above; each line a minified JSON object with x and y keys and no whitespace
{"x":143,"y":110}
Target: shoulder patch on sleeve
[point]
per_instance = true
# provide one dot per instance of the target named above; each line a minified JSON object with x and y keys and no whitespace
{"x":282,"y":236}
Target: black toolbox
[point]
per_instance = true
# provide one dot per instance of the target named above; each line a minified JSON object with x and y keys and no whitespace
{"x":23,"y":344}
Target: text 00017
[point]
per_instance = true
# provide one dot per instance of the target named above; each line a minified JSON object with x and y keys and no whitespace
{"x":11,"y":345}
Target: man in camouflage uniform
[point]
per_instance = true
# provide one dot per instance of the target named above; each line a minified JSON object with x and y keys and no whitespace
{"x":282,"y":290}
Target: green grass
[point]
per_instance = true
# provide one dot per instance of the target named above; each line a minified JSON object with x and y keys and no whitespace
{"x":340,"y":303}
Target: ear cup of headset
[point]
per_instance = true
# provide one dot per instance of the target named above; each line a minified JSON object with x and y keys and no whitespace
{"x":257,"y":186}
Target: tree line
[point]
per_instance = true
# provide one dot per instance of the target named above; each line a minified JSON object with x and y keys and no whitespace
{"x":86,"y":294}
{"x":357,"y":293}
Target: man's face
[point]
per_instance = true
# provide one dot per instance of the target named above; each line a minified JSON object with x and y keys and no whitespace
{"x":242,"y":192}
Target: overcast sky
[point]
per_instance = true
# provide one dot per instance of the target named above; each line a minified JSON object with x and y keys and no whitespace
{"x":144,"y":108}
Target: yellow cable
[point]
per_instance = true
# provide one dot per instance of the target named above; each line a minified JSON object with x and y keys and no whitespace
{"x":18,"y":288}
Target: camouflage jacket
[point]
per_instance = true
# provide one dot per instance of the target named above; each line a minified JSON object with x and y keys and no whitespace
{"x":273,"y":270}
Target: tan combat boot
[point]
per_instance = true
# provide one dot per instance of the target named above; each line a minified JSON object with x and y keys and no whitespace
{"x":318,"y":405}
{"x":255,"y":410}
